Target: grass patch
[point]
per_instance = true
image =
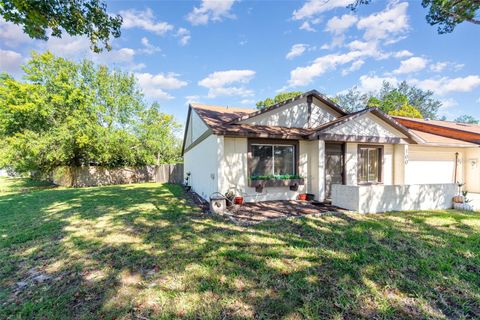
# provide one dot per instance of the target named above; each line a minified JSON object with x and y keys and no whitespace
{"x":140,"y":251}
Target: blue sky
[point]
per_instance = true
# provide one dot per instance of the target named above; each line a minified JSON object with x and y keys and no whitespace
{"x":238,"y":52}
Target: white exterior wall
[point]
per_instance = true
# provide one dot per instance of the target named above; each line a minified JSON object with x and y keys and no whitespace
{"x":351,"y":163}
{"x":367,"y":125}
{"x":351,"y":160}
{"x":387,"y":164}
{"x":295,"y":114}
{"x":202,"y":161}
{"x":433,"y":165}
{"x":381,"y":198}
{"x":321,"y":113}
{"x":196,"y":127}
{"x":472,"y":170}
{"x":233,"y":166}
{"x":400,"y":159}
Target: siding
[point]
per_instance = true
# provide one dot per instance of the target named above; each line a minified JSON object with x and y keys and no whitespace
{"x":367,"y":125}
{"x":196,"y":127}
{"x":202,"y":163}
{"x":295,"y":115}
{"x":234,"y":172}
{"x":472,"y":169}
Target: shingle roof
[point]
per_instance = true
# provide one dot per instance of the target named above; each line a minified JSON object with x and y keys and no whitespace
{"x":448,"y":129}
{"x":433,"y":139}
{"x":475,"y":128}
{"x":219,"y":120}
{"x":223,"y":121}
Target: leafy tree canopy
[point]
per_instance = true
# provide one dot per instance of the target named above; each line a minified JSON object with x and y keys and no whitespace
{"x":68,"y":113}
{"x":277,"y":99}
{"x":85,"y":17}
{"x":467,"y":119}
{"x":390,"y":98}
{"x":446,"y":14}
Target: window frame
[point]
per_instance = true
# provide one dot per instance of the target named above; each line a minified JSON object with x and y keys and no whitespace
{"x":273,"y":143}
{"x":380,"y":153}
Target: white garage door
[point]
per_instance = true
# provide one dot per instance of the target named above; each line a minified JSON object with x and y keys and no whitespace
{"x":432,"y":165}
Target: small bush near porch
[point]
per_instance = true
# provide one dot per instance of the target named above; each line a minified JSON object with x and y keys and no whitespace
{"x":140,"y":251}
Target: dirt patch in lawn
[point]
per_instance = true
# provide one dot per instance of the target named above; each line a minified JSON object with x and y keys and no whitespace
{"x":256,"y":212}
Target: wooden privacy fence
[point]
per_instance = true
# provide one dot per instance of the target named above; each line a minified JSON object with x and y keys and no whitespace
{"x":89,"y":176}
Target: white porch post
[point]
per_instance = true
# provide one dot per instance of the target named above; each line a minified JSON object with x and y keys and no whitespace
{"x":321,"y":170}
{"x":351,"y":159}
{"x":400,"y":164}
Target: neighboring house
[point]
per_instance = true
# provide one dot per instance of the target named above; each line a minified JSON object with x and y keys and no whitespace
{"x":365,"y":161}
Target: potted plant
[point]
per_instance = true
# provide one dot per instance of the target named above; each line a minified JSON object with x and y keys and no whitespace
{"x":238,"y":200}
{"x":285,"y":180}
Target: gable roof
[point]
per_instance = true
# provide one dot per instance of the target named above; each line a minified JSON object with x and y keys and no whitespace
{"x":226,"y":121}
{"x":311,"y":93}
{"x":454,"y":130}
{"x":220,"y":121}
{"x":217,"y":117}
{"x":436,"y":140}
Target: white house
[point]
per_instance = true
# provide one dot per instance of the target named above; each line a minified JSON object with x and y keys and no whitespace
{"x":365,"y":161}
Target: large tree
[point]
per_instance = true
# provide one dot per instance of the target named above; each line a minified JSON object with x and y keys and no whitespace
{"x":445,"y":14}
{"x":72,"y":114}
{"x":467,"y":119}
{"x":283,"y":96}
{"x":75,"y":17}
{"x":390,"y":98}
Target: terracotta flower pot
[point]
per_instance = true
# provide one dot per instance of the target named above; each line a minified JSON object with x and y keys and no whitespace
{"x":238,"y":200}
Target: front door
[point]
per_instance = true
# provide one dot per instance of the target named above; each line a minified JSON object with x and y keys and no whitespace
{"x":334,"y":159}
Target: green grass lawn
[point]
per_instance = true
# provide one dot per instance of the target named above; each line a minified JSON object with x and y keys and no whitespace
{"x":140,"y":251}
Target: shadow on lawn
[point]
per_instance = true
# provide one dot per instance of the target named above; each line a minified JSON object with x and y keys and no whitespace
{"x":131,"y":252}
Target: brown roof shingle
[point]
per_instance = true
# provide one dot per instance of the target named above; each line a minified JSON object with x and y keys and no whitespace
{"x":221,"y":121}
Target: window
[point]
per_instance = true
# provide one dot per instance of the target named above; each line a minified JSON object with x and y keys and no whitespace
{"x":370,"y":164}
{"x":272,"y":159}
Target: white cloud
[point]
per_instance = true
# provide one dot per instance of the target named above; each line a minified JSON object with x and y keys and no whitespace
{"x":154,"y":86}
{"x":183,"y":35}
{"x":387,"y":25}
{"x":10,"y":61}
{"x":449,"y":103}
{"x":353,"y":67}
{"x":373,"y":83}
{"x":441,"y":66}
{"x":315,"y":7}
{"x":302,"y":76}
{"x":221,"y":83}
{"x":338,"y":25}
{"x":444,"y":85}
{"x":148,"y":47}
{"x":145,"y":20}
{"x":411,"y":65}
{"x":191,"y":99}
{"x":248,"y":101}
{"x":211,"y":10}
{"x":68,"y":46}
{"x":307,"y":27}
{"x":78,"y":47}
{"x":296,"y":50}
{"x":12,"y":35}
{"x":402,"y":54}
